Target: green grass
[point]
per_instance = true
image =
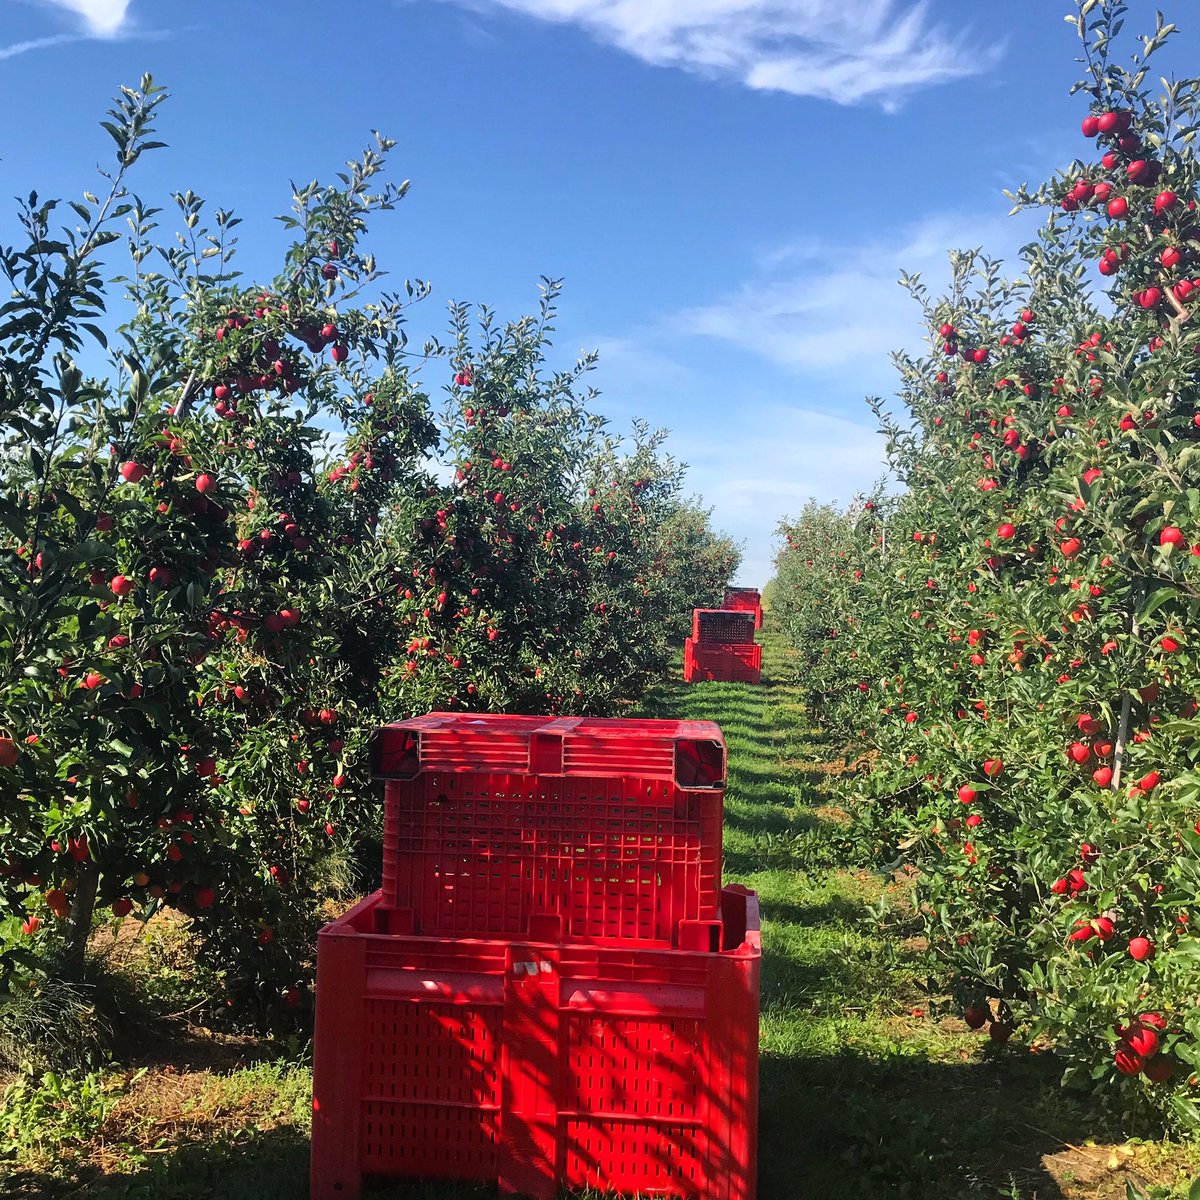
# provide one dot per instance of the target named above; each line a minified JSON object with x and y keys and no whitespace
{"x":867,"y":1088}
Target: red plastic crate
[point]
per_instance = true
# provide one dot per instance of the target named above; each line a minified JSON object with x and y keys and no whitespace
{"x":537,"y":1066}
{"x":535,"y":827}
{"x":727,"y":664}
{"x":721,"y":627}
{"x":745,"y":600}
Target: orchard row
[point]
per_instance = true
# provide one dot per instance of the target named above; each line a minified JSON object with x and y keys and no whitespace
{"x":1015,"y":631}
{"x":257,"y":537}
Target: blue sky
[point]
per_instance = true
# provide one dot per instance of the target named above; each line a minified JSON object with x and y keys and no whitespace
{"x":729,"y":187}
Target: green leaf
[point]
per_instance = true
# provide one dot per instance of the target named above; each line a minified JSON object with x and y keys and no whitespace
{"x":1155,"y":601}
{"x":1187,"y":951}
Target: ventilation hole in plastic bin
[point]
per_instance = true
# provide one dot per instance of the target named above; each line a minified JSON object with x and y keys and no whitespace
{"x":718,"y":627}
{"x":426,"y":1139}
{"x":431,"y":1052}
{"x":482,"y":854}
{"x":635,"y":1157}
{"x":638,"y":1068}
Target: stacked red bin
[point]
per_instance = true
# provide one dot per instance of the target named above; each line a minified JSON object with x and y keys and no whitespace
{"x":552,"y":990}
{"x":745,"y":600}
{"x":722,"y":647}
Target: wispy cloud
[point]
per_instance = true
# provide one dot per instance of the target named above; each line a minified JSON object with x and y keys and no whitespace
{"x":846,"y":51}
{"x":750,"y":455}
{"x":827,"y":307}
{"x":97,"y":20}
{"x":769,"y":461}
{"x":827,"y":311}
{"x":37,"y":44}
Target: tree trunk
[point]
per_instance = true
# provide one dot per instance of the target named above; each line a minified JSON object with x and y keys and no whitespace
{"x":1126,"y":702}
{"x":1122,"y":738}
{"x":83,"y":904}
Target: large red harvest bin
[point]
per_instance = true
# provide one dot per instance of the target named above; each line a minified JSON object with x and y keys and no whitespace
{"x":745,"y":600}
{"x":722,"y":627}
{"x":534,"y":1065}
{"x":568,"y":829}
{"x":728,"y":664}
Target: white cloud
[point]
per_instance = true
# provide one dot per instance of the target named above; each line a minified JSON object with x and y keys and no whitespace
{"x":830,"y":313}
{"x":101,"y":18}
{"x":639,"y":366}
{"x":36,"y":44}
{"x":107,"y":21}
{"x":823,"y":307}
{"x":847,"y":51}
{"x":768,"y":461}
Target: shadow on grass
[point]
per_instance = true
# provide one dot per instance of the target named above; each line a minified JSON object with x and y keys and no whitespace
{"x":257,"y":1165}
{"x":749,"y":779}
{"x":776,"y":820}
{"x":834,"y":908}
{"x":843,"y":1126}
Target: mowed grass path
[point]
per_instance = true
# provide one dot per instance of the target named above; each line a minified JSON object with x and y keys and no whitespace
{"x":870,"y":1088}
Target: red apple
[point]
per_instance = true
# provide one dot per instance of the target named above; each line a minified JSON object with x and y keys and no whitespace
{"x":975,"y":1015}
{"x":1127,"y":1062}
{"x":1159,"y":1070}
{"x":1141,"y":1039}
{"x":1140,"y":949}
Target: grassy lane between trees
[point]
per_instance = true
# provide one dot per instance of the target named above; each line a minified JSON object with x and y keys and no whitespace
{"x":869,"y":1089}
